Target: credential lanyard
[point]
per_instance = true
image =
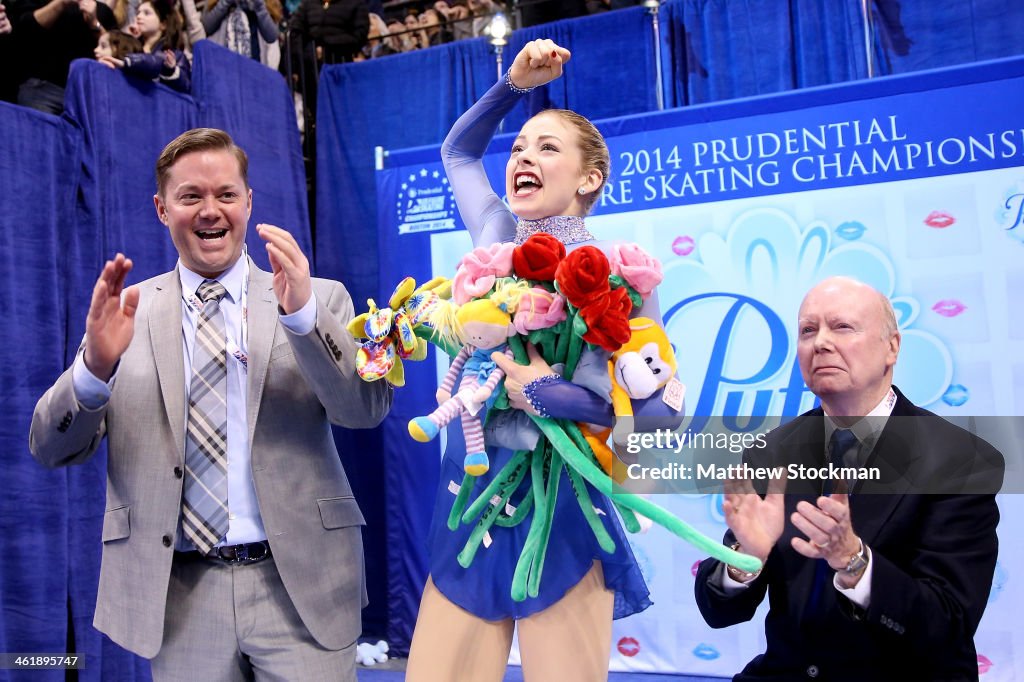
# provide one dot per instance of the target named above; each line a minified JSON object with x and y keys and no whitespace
{"x":196,"y":305}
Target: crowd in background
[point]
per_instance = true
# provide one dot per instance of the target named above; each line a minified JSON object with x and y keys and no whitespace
{"x":152,"y":39}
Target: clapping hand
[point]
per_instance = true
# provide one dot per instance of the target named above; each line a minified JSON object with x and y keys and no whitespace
{"x":829,"y":530}
{"x":539,"y":62}
{"x":292,"y":283}
{"x":756,"y":522}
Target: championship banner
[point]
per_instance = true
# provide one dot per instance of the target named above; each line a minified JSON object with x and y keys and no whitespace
{"x":913,"y":184}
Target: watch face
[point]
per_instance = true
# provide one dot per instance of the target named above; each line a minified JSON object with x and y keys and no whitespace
{"x":858,"y":562}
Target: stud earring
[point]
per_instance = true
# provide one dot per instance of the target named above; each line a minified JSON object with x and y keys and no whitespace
{"x":581,"y":191}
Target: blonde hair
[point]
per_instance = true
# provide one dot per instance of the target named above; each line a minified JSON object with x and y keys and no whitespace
{"x":593,"y":150}
{"x":497,"y":307}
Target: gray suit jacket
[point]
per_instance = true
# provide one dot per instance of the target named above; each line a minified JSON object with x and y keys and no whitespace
{"x":297,"y":387}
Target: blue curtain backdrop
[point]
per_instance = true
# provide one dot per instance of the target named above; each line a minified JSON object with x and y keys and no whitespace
{"x":712,"y":50}
{"x":74,"y":191}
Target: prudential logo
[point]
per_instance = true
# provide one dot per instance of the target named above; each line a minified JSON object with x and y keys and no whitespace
{"x":736,"y":325}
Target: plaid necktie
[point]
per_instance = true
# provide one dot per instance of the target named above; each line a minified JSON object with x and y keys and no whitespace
{"x":205,"y":505}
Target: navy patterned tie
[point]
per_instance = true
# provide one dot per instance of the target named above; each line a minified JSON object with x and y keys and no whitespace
{"x":205,"y":505}
{"x":841,"y":441}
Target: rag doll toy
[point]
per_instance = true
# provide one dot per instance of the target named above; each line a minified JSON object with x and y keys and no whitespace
{"x":483,"y":326}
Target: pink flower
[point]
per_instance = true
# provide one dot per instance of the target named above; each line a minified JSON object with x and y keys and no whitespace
{"x":479,"y":269}
{"x":538,"y":309}
{"x":640,"y":270}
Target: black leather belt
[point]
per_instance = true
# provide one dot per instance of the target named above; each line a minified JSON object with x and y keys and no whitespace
{"x":249,"y":553}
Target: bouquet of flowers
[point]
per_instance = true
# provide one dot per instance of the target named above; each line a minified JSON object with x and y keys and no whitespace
{"x":561,"y":302}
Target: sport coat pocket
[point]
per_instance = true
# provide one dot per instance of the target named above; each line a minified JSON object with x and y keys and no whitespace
{"x":117,"y":524}
{"x":340,"y":512}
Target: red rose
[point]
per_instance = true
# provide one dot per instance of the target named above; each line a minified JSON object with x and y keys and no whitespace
{"x":582,"y":276}
{"x":538,"y":257}
{"x":608,"y":320}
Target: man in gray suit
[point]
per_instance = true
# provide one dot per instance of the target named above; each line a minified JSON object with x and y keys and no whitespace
{"x":231,"y":541}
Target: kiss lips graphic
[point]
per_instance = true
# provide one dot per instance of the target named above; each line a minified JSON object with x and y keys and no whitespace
{"x":693,"y":569}
{"x":851,"y":231}
{"x":949,"y":307}
{"x":705,"y":652}
{"x":983,"y":664}
{"x":956,"y":395}
{"x":939,"y":220}
{"x":628,"y":646}
{"x":683,"y":246}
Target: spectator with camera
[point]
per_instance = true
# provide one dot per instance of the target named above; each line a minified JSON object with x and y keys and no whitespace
{"x":246,"y":27}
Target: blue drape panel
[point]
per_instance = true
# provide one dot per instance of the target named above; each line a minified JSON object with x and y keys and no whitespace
{"x":717,"y":50}
{"x":73,"y":192}
{"x":36,"y":215}
{"x":712,"y":50}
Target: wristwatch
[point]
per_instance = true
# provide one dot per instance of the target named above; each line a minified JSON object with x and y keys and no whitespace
{"x":858,"y":562}
{"x":735,"y":573}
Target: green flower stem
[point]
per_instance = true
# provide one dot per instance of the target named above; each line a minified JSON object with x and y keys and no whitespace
{"x":587,"y":507}
{"x":597,"y":478}
{"x":469,"y":551}
{"x":515,"y":342}
{"x":540,"y":502}
{"x":572,"y":356}
{"x":554,"y":475}
{"x":491,"y":514}
{"x":562,"y":347}
{"x":512,"y":473}
{"x":460,"y":501}
{"x":629,"y":519}
{"x":520,"y":514}
{"x":425,"y":332}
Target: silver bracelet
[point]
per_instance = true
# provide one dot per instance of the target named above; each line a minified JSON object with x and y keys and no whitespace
{"x":513,"y":87}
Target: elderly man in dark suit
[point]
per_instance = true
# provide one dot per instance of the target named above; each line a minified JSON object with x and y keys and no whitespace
{"x":231,"y":542}
{"x":882,"y":579}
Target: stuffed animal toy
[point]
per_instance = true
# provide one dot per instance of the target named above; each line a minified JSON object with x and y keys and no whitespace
{"x":484,"y":326}
{"x":371,"y":654}
{"x":642,"y":366}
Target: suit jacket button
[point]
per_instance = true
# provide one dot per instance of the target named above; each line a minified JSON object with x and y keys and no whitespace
{"x":166,"y":540}
{"x":177,"y":472}
{"x":812,"y":671}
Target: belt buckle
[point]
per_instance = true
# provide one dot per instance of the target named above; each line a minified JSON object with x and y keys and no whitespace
{"x":241,"y":553}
